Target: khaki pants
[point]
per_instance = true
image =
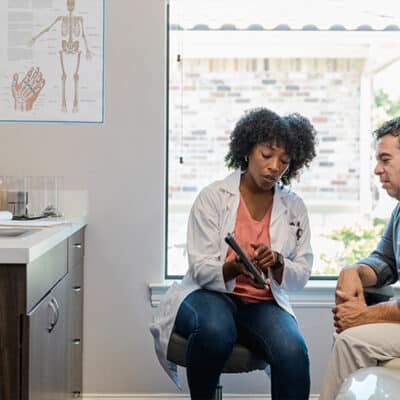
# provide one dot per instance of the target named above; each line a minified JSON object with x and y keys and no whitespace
{"x":359,"y":347}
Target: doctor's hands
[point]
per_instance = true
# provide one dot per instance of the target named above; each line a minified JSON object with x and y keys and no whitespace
{"x":265,"y":259}
{"x":232,"y":269}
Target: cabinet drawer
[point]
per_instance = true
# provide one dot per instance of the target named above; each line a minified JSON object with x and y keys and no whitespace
{"x":75,"y":370}
{"x":75,"y":248}
{"x":45,"y":272}
{"x":76,"y":302}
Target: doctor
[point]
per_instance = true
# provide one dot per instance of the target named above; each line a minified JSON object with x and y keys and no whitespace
{"x":218,"y":302}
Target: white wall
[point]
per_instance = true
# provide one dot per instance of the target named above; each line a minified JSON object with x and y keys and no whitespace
{"x":121,"y":164}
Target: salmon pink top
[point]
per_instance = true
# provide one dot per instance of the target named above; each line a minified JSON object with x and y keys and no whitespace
{"x":249,"y":230}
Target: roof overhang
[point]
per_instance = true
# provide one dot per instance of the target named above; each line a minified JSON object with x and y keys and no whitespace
{"x":282,"y":44}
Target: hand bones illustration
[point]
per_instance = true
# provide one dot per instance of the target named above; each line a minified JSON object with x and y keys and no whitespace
{"x":26,"y":91}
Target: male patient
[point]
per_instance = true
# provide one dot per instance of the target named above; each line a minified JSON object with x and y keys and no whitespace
{"x":370,"y":335}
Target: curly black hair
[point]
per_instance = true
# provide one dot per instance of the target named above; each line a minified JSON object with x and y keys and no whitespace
{"x":294,"y":133}
{"x":303,"y":137}
{"x":391,"y":127}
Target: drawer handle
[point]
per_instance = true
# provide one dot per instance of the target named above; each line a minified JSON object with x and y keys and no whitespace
{"x":76,"y":341}
{"x":53,"y":305}
{"x":76,"y":289}
{"x":77,"y":245}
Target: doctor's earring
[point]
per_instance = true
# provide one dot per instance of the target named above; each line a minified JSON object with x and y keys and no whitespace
{"x":246,"y":159}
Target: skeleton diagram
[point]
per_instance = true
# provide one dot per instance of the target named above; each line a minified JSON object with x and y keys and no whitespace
{"x":71,"y":31}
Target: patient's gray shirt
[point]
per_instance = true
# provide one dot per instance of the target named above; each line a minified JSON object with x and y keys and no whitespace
{"x":385,"y":259}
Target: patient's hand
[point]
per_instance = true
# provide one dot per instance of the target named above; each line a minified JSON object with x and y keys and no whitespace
{"x":351,"y":312}
{"x":349,"y":283}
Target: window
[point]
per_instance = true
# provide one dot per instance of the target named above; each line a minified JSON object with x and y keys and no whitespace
{"x":226,"y":57}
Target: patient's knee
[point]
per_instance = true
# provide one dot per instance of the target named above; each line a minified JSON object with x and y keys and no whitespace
{"x":346,"y":339}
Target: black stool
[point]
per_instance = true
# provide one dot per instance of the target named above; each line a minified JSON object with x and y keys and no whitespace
{"x":241,"y":359}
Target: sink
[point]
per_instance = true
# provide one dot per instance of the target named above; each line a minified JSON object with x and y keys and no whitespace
{"x":16,"y":232}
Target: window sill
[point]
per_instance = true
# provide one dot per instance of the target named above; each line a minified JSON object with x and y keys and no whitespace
{"x":315,"y":294}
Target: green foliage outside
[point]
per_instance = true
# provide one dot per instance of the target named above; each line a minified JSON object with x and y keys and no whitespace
{"x":385,"y":108}
{"x":358,"y":242}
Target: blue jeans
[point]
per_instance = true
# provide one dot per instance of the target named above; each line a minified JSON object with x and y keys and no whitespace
{"x":212,"y":322}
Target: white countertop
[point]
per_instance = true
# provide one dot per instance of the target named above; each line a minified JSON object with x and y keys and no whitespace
{"x":25,"y":249}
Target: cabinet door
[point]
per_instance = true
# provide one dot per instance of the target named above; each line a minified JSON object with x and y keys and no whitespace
{"x":47,"y":346}
{"x":75,"y":331}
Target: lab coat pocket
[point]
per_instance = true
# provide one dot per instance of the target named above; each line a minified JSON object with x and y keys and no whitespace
{"x":289,"y":248}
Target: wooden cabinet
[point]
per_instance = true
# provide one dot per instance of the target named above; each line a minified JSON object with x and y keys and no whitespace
{"x":41,"y":325}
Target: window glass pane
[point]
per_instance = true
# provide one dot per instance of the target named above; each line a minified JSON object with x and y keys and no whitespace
{"x":341,"y":83}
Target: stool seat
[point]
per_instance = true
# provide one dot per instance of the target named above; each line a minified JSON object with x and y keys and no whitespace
{"x":240,"y":360}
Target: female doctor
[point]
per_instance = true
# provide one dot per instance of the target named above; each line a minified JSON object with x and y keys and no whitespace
{"x":218,"y":303}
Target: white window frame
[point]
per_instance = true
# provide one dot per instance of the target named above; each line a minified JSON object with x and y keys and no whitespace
{"x":358,"y":45}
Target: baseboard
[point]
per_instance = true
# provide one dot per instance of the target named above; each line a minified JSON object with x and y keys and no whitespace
{"x":161,"y":396}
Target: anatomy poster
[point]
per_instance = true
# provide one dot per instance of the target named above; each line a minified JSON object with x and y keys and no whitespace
{"x":51,"y":60}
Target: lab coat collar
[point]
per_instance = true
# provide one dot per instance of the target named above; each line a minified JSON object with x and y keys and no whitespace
{"x":232,"y":182}
{"x":231,"y":185}
{"x":279,"y":205}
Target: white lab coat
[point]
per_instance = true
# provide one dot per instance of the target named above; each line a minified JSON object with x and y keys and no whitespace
{"x":213,"y":215}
